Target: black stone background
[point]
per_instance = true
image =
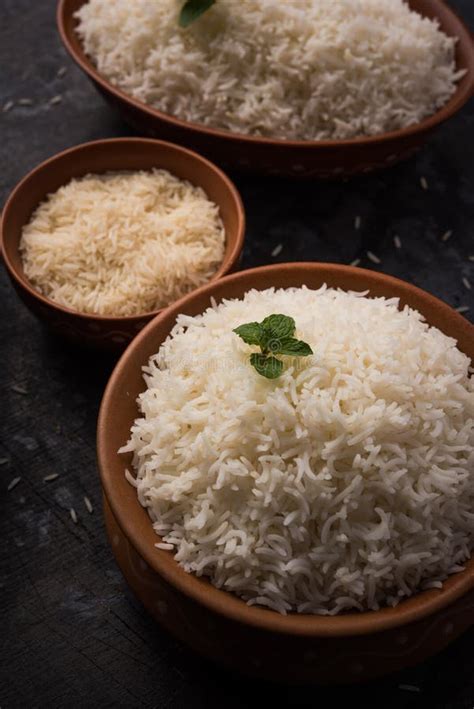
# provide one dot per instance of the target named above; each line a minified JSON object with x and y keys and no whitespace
{"x":71,"y":633}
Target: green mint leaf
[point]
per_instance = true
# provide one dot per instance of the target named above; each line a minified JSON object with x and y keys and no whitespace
{"x":251,"y":333}
{"x":268,"y":367}
{"x":274,"y":336}
{"x":192,"y":10}
{"x":279,"y":326}
{"x":291,"y":346}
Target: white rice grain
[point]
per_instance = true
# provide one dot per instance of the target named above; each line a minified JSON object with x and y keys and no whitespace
{"x":373,"y":257}
{"x":13,"y":483}
{"x":277,"y":250}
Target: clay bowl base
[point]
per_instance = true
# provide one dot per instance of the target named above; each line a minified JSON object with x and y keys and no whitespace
{"x":280,"y":657}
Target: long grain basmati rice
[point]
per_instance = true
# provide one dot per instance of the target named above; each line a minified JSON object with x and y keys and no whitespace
{"x":123,"y":243}
{"x":347,"y":483}
{"x":305,"y":69}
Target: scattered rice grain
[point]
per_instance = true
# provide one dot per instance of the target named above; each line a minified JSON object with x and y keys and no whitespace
{"x":463,"y":309}
{"x":88,"y":505}
{"x":4,"y":461}
{"x":55,"y":100}
{"x":466,"y":283}
{"x":73,"y":514}
{"x":61,"y":72}
{"x":355,"y":262}
{"x":424,"y":182}
{"x":13,"y":483}
{"x":447,"y":235}
{"x":357,"y":223}
{"x":397,"y":241}
{"x":409,"y":688}
{"x":8,"y":106}
{"x":25,"y":102}
{"x":373,"y":257}
{"x":471,"y":257}
{"x":277,"y":250}
{"x":19,"y":389}
{"x":50,"y":478}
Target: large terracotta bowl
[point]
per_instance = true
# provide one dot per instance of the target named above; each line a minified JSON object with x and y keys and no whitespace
{"x":345,"y":648}
{"x":104,"y":332}
{"x":324,"y":159}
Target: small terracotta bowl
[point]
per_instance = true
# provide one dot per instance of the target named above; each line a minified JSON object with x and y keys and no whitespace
{"x":298,"y":648}
{"x":104,"y":332}
{"x":296,"y":158}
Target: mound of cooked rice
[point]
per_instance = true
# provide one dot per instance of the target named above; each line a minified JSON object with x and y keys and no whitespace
{"x":347,"y":483}
{"x":305,"y":69}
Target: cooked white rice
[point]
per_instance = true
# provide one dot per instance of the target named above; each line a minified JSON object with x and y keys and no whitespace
{"x":122,"y":243}
{"x":347,"y":483}
{"x":305,"y":69}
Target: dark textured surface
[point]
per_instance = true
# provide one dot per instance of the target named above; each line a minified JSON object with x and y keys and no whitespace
{"x":71,"y":634}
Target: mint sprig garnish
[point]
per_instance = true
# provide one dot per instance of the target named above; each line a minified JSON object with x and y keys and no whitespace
{"x":192,"y":10}
{"x":274,"y":336}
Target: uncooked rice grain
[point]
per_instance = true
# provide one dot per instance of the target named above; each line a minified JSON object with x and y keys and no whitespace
{"x":123,"y":243}
{"x":347,"y":483}
{"x":18,"y":389}
{"x":13,"y":483}
{"x":277,"y":250}
{"x":373,"y":257}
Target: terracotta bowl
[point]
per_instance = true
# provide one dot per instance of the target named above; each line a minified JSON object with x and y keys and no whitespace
{"x":342,"y":649}
{"x":324,"y":159}
{"x":110,"y":333}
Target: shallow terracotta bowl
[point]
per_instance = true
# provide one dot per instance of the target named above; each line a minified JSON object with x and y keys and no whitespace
{"x":103,"y":332}
{"x":323,"y":159}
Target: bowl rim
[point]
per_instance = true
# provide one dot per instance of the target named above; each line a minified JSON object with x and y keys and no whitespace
{"x":223,"y":602}
{"x":229,"y":262}
{"x":464,"y":91}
